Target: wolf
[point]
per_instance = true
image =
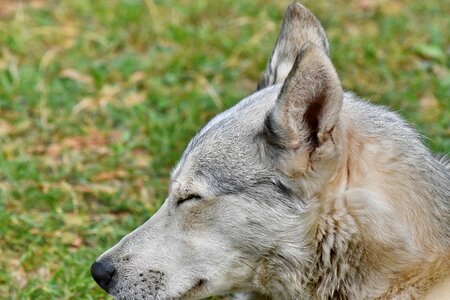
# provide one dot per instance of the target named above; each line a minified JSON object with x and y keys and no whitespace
{"x":300,"y":191}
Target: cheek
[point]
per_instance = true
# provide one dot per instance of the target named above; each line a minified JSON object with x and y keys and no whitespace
{"x":254,"y":226}
{"x":215,"y":217}
{"x":202,"y":216}
{"x":240,"y":224}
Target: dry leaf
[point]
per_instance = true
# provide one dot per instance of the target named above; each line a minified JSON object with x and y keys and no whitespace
{"x":88,"y":103}
{"x":77,"y":76}
{"x":429,"y":107}
{"x":367,"y":4}
{"x":5,"y":128}
{"x":141,"y":159}
{"x":107,"y":95}
{"x":9,"y":7}
{"x":76,"y":243}
{"x":74,"y":219}
{"x":391,"y":8}
{"x":94,"y":188}
{"x":37,"y":3}
{"x":18,"y":273}
{"x":96,"y":141}
{"x":134,"y":98}
{"x":136,"y":77}
{"x":53,"y":151}
{"x":43,"y":273}
{"x":105,"y":176}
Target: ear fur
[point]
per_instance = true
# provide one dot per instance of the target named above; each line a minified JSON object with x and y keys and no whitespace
{"x":308,"y":106}
{"x":299,"y":27}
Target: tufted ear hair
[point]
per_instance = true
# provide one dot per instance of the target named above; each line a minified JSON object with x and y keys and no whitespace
{"x":299,"y":27}
{"x":308,"y":106}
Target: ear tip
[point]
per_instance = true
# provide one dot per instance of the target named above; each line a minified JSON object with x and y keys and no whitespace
{"x":305,"y":18}
{"x":295,"y":8}
{"x":295,"y":5}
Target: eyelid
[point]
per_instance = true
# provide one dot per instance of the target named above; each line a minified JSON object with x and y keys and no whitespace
{"x":188,"y":198}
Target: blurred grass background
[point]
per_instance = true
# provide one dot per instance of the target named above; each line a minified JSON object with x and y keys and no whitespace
{"x":99,"y":98}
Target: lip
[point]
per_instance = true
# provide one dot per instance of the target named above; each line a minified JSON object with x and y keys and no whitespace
{"x":198,"y":287}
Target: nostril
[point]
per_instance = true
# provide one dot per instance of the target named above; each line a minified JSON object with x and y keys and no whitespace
{"x":103,"y":272}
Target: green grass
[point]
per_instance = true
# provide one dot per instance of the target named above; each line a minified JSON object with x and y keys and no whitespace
{"x":99,"y":98}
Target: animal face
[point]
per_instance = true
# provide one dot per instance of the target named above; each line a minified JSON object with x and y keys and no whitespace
{"x":227,"y":208}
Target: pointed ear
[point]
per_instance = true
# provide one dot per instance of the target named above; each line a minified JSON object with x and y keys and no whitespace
{"x":308,"y":106}
{"x":299,"y":27}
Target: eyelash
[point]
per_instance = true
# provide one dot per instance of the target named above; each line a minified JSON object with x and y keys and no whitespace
{"x":188,"y":198}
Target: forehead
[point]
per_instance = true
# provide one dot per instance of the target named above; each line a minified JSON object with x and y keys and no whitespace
{"x":225,"y":150}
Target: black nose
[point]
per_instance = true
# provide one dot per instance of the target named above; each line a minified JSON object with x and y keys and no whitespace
{"x":103,"y":272}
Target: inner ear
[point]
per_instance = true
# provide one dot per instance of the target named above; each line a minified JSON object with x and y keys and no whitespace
{"x":311,"y":119}
{"x":309,"y":103}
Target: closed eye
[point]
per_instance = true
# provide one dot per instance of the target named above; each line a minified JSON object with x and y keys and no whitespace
{"x":188,"y":198}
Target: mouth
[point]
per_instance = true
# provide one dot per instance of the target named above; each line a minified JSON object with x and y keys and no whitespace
{"x":196,"y":289}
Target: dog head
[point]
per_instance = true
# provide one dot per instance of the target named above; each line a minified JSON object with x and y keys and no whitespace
{"x":235,"y":205}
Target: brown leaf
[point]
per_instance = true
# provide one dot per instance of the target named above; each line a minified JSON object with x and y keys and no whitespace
{"x":38,"y":3}
{"x":5,"y":128}
{"x":134,"y":98}
{"x":68,"y":238}
{"x":18,"y":273}
{"x":10,"y":7}
{"x":74,"y":219}
{"x":136,"y":77}
{"x":141,"y":159}
{"x":95,"y":141}
{"x":108,"y":94}
{"x":88,"y":103}
{"x":105,"y":176}
{"x":391,"y":8}
{"x":77,"y":76}
{"x":367,"y":4}
{"x":76,"y":243}
{"x":94,"y":188}
{"x":53,"y":151}
{"x":429,"y":106}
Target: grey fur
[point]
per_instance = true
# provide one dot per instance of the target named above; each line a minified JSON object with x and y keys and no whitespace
{"x":255,"y":205}
{"x":299,"y":27}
